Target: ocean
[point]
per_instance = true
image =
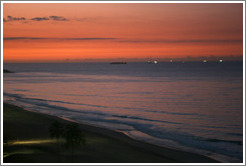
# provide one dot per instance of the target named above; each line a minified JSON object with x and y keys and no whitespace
{"x":192,"y":106}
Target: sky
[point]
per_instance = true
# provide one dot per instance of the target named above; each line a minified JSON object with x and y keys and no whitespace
{"x":70,"y":32}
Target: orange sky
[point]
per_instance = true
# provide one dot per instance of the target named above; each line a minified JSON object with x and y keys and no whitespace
{"x":56,"y":32}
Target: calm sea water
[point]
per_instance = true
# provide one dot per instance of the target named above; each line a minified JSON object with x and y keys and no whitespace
{"x":191,"y":106}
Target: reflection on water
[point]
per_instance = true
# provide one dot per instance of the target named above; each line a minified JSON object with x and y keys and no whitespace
{"x":188,"y":107}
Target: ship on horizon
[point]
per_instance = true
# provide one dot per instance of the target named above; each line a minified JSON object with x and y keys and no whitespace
{"x":118,"y":63}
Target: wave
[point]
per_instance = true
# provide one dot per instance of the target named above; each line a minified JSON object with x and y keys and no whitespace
{"x":141,"y":124}
{"x":45,"y":103}
{"x":100,"y":106}
{"x":229,"y":141}
{"x":55,"y":101}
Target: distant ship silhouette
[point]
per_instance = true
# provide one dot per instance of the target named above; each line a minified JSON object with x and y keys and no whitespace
{"x":118,"y":63}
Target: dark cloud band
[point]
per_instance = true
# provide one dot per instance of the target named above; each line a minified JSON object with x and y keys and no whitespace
{"x":120,"y":40}
{"x":182,"y":41}
{"x":37,"y":38}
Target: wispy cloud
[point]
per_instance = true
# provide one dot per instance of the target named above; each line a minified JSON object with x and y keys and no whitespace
{"x":52,"y":18}
{"x":55,"y":18}
{"x":10,"y":18}
{"x":39,"y":18}
{"x":38,"y":38}
{"x":58,"y":18}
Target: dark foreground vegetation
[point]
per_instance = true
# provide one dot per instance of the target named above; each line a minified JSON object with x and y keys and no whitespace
{"x":31,"y":137}
{"x":27,"y":138}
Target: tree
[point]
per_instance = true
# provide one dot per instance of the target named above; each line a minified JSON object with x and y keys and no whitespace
{"x":73,"y":136}
{"x":70,"y":132}
{"x":56,"y":130}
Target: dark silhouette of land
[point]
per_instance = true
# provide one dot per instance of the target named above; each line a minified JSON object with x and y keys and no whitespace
{"x":7,"y":71}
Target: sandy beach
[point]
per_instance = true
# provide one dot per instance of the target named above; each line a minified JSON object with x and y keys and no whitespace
{"x":26,"y":140}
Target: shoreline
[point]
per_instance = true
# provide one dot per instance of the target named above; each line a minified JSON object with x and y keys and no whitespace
{"x":167,"y":154}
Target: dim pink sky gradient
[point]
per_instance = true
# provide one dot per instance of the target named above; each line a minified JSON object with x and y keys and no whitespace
{"x":78,"y":31}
